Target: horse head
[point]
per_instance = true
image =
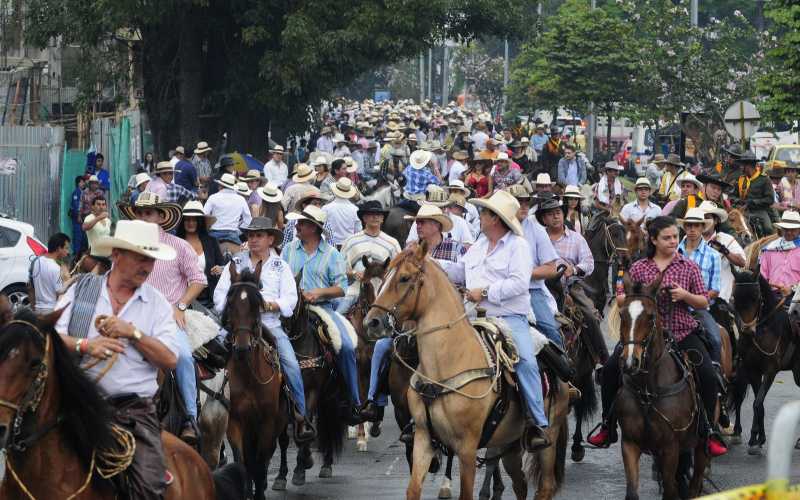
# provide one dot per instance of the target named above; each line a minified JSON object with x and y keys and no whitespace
{"x":635,"y":237}
{"x":243,"y":308}
{"x":372,"y":277}
{"x":639,"y":324}
{"x":748,"y":295}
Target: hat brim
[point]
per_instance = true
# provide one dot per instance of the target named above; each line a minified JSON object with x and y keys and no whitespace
{"x":298,"y":217}
{"x":787,"y":225}
{"x":513,"y":223}
{"x":302,"y":179}
{"x":224,"y":184}
{"x":210,"y":219}
{"x":456,"y":189}
{"x":201,"y":151}
{"x":444,"y":220}
{"x":269,"y":199}
{"x":172,"y":213}
{"x":707,"y":179}
{"x":361,"y":213}
{"x":683,"y":222}
{"x":344,"y":194}
{"x":159,"y":251}
{"x":720,"y":213}
{"x":275,"y":232}
{"x":576,"y":196}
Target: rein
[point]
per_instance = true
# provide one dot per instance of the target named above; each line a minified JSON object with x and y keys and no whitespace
{"x":757,"y":323}
{"x":254,"y":333}
{"x":611,"y":248}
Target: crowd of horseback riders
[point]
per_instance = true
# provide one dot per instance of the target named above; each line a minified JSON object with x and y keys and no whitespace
{"x":308,"y":299}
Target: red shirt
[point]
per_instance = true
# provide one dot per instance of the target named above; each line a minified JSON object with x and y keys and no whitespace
{"x":480,"y":186}
{"x":676,"y":317}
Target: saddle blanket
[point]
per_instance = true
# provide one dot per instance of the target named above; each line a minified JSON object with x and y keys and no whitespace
{"x":330,"y":326}
{"x":200,"y":328}
{"x":499,"y":328}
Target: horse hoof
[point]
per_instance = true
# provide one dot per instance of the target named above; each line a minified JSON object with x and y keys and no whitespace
{"x":361,"y":446}
{"x":375,"y":429}
{"x":326,"y":471}
{"x":299,"y":478}
{"x":445,"y":492}
{"x":797,"y":445}
{"x":352,"y":432}
{"x":735,"y":439}
{"x":754,"y":450}
{"x":578,"y":453}
{"x":279,"y":485}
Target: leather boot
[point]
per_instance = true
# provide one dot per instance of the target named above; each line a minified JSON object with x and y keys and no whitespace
{"x":304,"y":431}
{"x":371,"y":412}
{"x":535,"y":438}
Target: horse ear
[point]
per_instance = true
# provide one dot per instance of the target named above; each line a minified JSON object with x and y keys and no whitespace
{"x":638,"y":223}
{"x":234,"y":272}
{"x":365,"y":261}
{"x":655,"y":286}
{"x":258,"y":270}
{"x":627,"y":284}
{"x":49,"y":320}
{"x":422,"y":250}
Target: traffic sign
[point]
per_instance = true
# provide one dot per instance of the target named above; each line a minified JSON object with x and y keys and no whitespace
{"x":742,"y":120}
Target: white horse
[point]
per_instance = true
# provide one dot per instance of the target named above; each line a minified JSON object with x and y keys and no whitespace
{"x":386,"y":194}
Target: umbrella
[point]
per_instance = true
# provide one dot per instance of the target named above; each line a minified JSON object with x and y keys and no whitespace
{"x":253,"y":163}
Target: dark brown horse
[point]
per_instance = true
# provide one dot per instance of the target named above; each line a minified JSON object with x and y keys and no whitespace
{"x":258,"y":413}
{"x":765,"y":347}
{"x":656,"y":407}
{"x":56,"y":426}
{"x":606,"y":238}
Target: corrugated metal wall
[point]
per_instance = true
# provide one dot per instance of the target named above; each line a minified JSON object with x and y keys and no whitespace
{"x":32,"y":194}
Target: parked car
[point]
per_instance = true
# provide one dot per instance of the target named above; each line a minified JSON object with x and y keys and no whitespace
{"x":782,"y":153}
{"x":18,"y":246}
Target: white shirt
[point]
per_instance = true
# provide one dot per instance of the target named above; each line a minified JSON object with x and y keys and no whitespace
{"x":343,"y":219}
{"x":542,"y":250}
{"x":377,"y":248}
{"x":325,"y":143}
{"x":276,"y":173}
{"x":341,"y":152}
{"x":461,"y":232}
{"x":277,"y":285}
{"x":150,"y":312}
{"x":457,"y":170}
{"x":726,"y":272}
{"x":474,"y":220}
{"x":230,"y":209}
{"x":479,"y":139}
{"x":505,"y":272}
{"x":99,"y":230}
{"x":47,"y":283}
{"x":632,"y":211}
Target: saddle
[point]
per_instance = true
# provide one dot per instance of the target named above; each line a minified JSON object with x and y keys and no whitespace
{"x":326,"y":330}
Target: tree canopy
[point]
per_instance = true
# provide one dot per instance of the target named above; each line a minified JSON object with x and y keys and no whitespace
{"x":780,"y":80}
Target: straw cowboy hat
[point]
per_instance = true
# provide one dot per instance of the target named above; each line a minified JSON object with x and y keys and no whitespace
{"x":243,"y":189}
{"x":690,"y":178}
{"x":613,"y":165}
{"x":312,"y":214}
{"x":320,"y":160}
{"x":572,"y":192}
{"x":303,"y":173}
{"x":180,"y":150}
{"x":505,"y":206}
{"x":202,"y":147}
{"x":251,"y":175}
{"x":139,"y":237}
{"x":93,"y":178}
{"x":502,"y":156}
{"x":673,"y":159}
{"x":270,"y":193}
{"x":457,"y":200}
{"x":460,"y":155}
{"x":344,"y":188}
{"x":277,"y":149}
{"x":419,"y":159}
{"x":227,"y":181}
{"x":457,"y":186}
{"x":339,"y":138}
{"x":543,"y":179}
{"x":696,"y":215}
{"x":194,"y":208}
{"x":519,"y":191}
{"x":643,"y":182}
{"x":352,"y":166}
{"x":141,"y":178}
{"x":264,"y":224}
{"x":163,"y":167}
{"x":311,"y":193}
{"x":170,"y":211}
{"x":658,"y":159}
{"x":714,"y":209}
{"x":435,"y":195}
{"x":434,"y":213}
{"x":789,"y":220}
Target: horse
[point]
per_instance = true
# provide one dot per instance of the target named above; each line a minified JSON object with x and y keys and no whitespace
{"x":767,"y":343}
{"x":322,"y":392}
{"x":738,"y":222}
{"x":56,"y":426}
{"x":212,"y":418}
{"x":635,"y":239}
{"x":396,"y":224}
{"x":386,"y":192}
{"x":606,"y":237}
{"x":753,"y":250}
{"x":657,"y":407}
{"x":416,"y":289}
{"x":258,"y":410}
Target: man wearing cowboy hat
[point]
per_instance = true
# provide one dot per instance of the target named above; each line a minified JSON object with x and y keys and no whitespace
{"x":417,"y":174}
{"x":457,"y":187}
{"x":341,"y":150}
{"x":730,"y":171}
{"x":324,"y":142}
{"x":91,"y":192}
{"x":323,"y":279}
{"x":310,"y":196}
{"x":641,"y":209}
{"x":790,"y":187}
{"x":543,"y":183}
{"x":727,"y":246}
{"x":341,"y":213}
{"x":278,"y":289}
{"x":163,"y":185}
{"x":140,"y":182}
{"x":201,"y":162}
{"x":714,"y":189}
{"x":252,"y":180}
{"x":459,"y":231}
{"x":669,"y":189}
{"x":571,"y":168}
{"x":690,"y":198}
{"x":654,"y":169}
{"x":497,"y":271}
{"x":503,"y":175}
{"x":119,"y":314}
{"x":185,"y":172}
{"x":754,"y":192}
{"x":230,"y":210}
{"x":181,"y":281}
{"x":301,"y":180}
{"x":275,"y":170}
{"x":780,"y":259}
{"x":608,"y":187}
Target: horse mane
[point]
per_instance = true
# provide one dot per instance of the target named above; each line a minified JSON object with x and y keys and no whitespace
{"x":770,"y":302}
{"x":254,"y":300}
{"x":85,"y":414}
{"x":410,"y":252}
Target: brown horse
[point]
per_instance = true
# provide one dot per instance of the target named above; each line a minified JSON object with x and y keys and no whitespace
{"x":656,"y":407}
{"x":417,"y":289}
{"x":635,"y":238}
{"x":258,"y":411}
{"x":66,"y":439}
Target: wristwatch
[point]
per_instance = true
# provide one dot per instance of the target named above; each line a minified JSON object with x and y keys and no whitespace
{"x":182,"y":307}
{"x":485,"y":293}
{"x":137,"y":335}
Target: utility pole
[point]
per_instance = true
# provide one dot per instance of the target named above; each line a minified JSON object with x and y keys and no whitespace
{"x":444,"y":75}
{"x":421,"y":77}
{"x":591,"y":124}
{"x":430,"y":73}
{"x":505,"y":76}
{"x":693,"y":11}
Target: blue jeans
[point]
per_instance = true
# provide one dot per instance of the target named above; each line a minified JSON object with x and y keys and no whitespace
{"x":290,"y":367}
{"x":346,"y":359}
{"x":711,"y":326}
{"x":220,"y":236}
{"x":380,"y":356}
{"x":545,"y":319}
{"x":343,"y":304}
{"x":78,"y":239}
{"x":185,"y":374}
{"x":527,"y":368}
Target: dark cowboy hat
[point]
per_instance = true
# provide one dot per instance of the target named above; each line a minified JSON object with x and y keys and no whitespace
{"x":264,"y":224}
{"x":371,"y":207}
{"x":747,"y":157}
{"x":734,"y":150}
{"x":545,"y":206}
{"x":714,"y":178}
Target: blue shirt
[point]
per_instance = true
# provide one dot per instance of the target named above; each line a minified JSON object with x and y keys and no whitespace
{"x":709,"y":262}
{"x":186,"y":175}
{"x":322,"y":269}
{"x":105,"y":182}
{"x":418,"y":180}
{"x":538,"y":141}
{"x":542,"y":248}
{"x":75,"y":205}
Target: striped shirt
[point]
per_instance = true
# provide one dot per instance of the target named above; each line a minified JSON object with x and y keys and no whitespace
{"x":173,"y":277}
{"x":708,"y":260}
{"x":376,"y":248}
{"x":322,"y":269}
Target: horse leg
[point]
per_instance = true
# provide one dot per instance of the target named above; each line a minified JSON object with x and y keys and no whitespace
{"x":361,"y":444}
{"x":279,"y":483}
{"x":299,"y":473}
{"x":445,"y":490}
{"x":760,"y":437}
{"x":512,"y":462}
{"x":422,"y":456}
{"x":755,"y":384}
{"x":701,"y":461}
{"x":630,"y":459}
{"x":326,"y":470}
{"x":578,"y":452}
{"x":670,"y":456}
{"x":497,"y":481}
{"x":467,"y":467}
{"x":486,"y":486}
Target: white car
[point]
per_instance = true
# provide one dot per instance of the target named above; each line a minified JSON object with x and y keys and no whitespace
{"x":18,"y":246}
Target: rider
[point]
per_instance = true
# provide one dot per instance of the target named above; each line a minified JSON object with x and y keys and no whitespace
{"x":641,"y":208}
{"x":181,"y":281}
{"x":780,"y":259}
{"x":323,"y":278}
{"x":681,"y":288}
{"x":136,"y":322}
{"x":279,"y":292}
{"x":608,"y":187}
{"x":754,"y":191}
{"x":732,"y":253}
{"x":497,"y":272}
{"x":574,"y":252}
{"x":674,"y":169}
{"x":690,"y":197}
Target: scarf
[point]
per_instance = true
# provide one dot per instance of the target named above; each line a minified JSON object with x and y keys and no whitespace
{"x":744,"y":183}
{"x":781,"y":245}
{"x":603,"y":195}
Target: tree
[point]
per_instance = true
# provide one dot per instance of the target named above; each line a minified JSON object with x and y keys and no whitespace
{"x":482,"y":73}
{"x":780,"y":78}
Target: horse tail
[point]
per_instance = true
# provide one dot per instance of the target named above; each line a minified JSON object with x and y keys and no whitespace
{"x":230,"y":482}
{"x":586,"y":406}
{"x":561,"y":454}
{"x":331,"y":429}
{"x":738,"y":389}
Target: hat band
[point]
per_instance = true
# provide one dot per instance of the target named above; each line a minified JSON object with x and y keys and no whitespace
{"x":148,"y":248}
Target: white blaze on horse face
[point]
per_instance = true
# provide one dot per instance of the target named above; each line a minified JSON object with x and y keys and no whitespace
{"x":376,"y":284}
{"x":635,"y":309}
{"x":243,"y":295}
{"x":386,"y":282}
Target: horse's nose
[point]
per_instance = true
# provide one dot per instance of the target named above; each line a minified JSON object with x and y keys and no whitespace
{"x":373,"y":324}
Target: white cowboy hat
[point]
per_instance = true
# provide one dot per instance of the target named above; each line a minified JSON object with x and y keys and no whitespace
{"x":613,"y":165}
{"x":311,"y":213}
{"x":344,"y":188}
{"x":434,"y":213}
{"x":337,"y":138}
{"x":227,"y":180}
{"x":93,"y":178}
{"x":180,"y":150}
{"x":309,"y":193}
{"x":194,"y":208}
{"x":572,"y":192}
{"x":242,"y":189}
{"x":435,"y":195}
{"x":696,"y":215}
{"x":457,"y":185}
{"x":141,"y":178}
{"x":501,"y":156}
{"x":251,"y":175}
{"x":643,"y":182}
{"x":543,"y":179}
{"x":505,"y":206}
{"x":139,"y":237}
{"x":352,"y":166}
{"x":277,"y":149}
{"x":302,"y":173}
{"x":164,"y":167}
{"x":690,"y":178}
{"x":713,"y":209}
{"x":202,"y":147}
{"x":270,"y":193}
{"x":419,"y":159}
{"x":789,"y":220}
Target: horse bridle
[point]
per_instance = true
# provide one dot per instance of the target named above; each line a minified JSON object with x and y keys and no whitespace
{"x":32,"y":397}
{"x":391,"y":312}
{"x":611,"y":248}
{"x":253,"y":331}
{"x":644,"y":343}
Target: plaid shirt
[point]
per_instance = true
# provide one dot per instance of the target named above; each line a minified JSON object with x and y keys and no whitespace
{"x":418,"y":180}
{"x":572,"y":249}
{"x":178,"y":194}
{"x":87,"y":198}
{"x":289,"y":232}
{"x":675,"y":316}
{"x":708,"y":260}
{"x":449,"y":250}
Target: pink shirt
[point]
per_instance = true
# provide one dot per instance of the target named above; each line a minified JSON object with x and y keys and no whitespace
{"x":781,"y":267}
{"x":158,"y":186}
{"x":173,"y":277}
